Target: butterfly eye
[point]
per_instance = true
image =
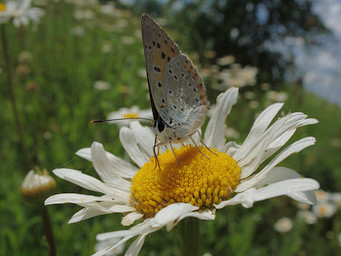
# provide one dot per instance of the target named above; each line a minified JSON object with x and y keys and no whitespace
{"x":160,"y":126}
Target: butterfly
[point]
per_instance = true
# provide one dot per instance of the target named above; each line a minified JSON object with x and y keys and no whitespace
{"x":177,"y":93}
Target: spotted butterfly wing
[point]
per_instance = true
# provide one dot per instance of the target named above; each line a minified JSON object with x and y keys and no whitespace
{"x":186,"y":102}
{"x":159,"y":49}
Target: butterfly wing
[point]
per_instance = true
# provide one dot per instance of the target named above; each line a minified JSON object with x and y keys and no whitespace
{"x":159,"y":49}
{"x":186,"y":98}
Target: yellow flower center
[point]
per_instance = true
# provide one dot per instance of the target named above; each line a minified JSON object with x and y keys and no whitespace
{"x":130,"y":115}
{"x":2,"y":7}
{"x":197,"y":180}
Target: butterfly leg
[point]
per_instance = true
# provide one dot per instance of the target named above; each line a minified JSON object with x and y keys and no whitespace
{"x":190,"y":136}
{"x":202,"y":142}
{"x":170,"y":143}
{"x":155,"y":156}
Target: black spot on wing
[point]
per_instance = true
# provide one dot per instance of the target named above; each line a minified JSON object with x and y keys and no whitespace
{"x":157,"y":69}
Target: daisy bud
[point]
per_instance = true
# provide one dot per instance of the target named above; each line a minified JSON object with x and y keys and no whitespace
{"x":37,"y":186}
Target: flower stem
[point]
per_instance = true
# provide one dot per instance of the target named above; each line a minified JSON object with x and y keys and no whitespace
{"x":12,"y":97}
{"x":189,"y":229}
{"x":48,"y":230}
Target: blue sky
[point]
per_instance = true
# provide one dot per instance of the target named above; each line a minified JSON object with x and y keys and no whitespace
{"x":322,"y":69}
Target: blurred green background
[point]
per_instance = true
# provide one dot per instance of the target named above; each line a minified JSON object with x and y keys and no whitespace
{"x":56,"y":63}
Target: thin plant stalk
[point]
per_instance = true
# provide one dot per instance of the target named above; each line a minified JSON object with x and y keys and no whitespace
{"x":48,"y":230}
{"x":189,"y":229}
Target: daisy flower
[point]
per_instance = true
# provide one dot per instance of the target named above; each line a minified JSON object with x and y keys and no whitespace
{"x":20,"y":12}
{"x":307,"y":216}
{"x":133,"y":112}
{"x":196,"y":188}
{"x":101,"y":85}
{"x":283,"y":225}
{"x":324,"y":209}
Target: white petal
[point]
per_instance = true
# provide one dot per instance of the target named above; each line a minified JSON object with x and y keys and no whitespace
{"x":306,"y":197}
{"x":280,"y":141}
{"x":171,"y":213}
{"x":252,"y":154}
{"x":87,"y":213}
{"x":83,"y":180}
{"x":101,"y":163}
{"x":129,"y":143}
{"x":142,"y":228}
{"x":112,"y":247}
{"x":202,"y":215}
{"x":293,"y":148}
{"x":144,"y":138}
{"x":109,"y":207}
{"x":245,"y":198}
{"x":130,"y":218}
{"x":121,"y":167}
{"x":104,"y":169}
{"x":215,"y":131}
{"x":231,"y":148}
{"x":274,"y":146}
{"x":72,"y":198}
{"x":278,"y":173}
{"x":248,"y":197}
{"x":283,"y":173}
{"x":84,"y":153}
{"x":309,"y":121}
{"x":84,"y":214}
{"x":135,"y":248}
{"x":261,"y":124}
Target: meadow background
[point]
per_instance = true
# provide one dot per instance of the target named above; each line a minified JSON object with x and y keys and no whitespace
{"x":55,"y":66}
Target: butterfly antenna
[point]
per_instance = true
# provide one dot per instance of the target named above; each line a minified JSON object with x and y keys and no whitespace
{"x":120,"y":119}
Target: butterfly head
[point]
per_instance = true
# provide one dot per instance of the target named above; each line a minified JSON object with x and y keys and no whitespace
{"x":166,"y":132}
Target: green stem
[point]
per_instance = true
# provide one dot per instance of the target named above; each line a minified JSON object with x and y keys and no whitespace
{"x":189,"y":229}
{"x":12,"y":97}
{"x":48,"y":230}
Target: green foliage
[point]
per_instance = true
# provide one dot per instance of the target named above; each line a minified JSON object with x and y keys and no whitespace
{"x":56,"y":100}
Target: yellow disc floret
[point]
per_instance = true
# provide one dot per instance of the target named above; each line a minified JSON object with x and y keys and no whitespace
{"x":198,"y":180}
{"x":2,"y":7}
{"x":130,"y":115}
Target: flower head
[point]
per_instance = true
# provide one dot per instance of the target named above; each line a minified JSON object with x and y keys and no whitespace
{"x":101,"y":85}
{"x":283,"y":225}
{"x":308,"y":216}
{"x":199,"y":186}
{"x":20,"y":12}
{"x":37,"y":186}
{"x":324,"y":209}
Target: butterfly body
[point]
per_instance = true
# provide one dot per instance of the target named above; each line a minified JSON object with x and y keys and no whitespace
{"x":177,"y":93}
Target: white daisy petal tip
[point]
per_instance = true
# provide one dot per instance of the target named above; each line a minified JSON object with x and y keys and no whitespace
{"x":130,"y":218}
